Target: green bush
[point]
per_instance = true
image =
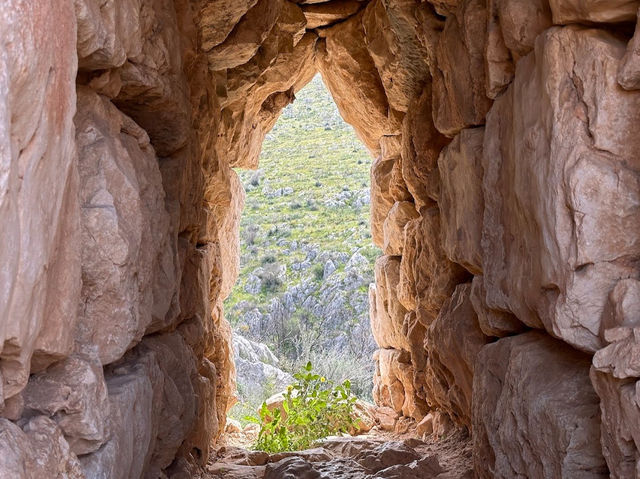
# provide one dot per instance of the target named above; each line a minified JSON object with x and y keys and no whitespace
{"x":313,"y":408}
{"x":318,"y":272}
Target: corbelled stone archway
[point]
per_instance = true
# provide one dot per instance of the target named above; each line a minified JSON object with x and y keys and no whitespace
{"x":505,"y":193}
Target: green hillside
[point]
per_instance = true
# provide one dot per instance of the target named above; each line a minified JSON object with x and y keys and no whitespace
{"x":306,"y":250}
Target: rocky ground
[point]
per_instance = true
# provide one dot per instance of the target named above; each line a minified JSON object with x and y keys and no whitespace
{"x":377,"y":455}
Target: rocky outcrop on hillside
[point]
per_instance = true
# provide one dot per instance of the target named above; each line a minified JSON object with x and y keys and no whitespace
{"x":257,"y":369}
{"x":505,"y":192}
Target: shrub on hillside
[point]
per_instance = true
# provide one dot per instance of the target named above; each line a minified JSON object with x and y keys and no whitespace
{"x":313,"y":408}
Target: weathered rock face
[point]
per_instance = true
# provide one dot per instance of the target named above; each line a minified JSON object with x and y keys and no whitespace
{"x":594,"y":198}
{"x":125,"y":229}
{"x":39,"y":281}
{"x":505,"y":195}
{"x":461,"y":200}
{"x":521,"y":380}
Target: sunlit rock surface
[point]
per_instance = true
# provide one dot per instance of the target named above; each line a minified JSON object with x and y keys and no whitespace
{"x":505,"y":141}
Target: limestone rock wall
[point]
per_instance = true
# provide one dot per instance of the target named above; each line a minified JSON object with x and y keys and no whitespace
{"x":505,"y":195}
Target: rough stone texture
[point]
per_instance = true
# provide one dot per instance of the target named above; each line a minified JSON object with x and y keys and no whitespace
{"x":172,"y":94}
{"x":427,"y":277}
{"x":620,"y":430}
{"x":37,"y":450}
{"x":73,"y":393}
{"x":108,"y":32}
{"x":400,"y":214}
{"x":459,"y":94}
{"x":519,"y":428}
{"x":381,"y":198}
{"x":328,"y":13}
{"x":134,"y":391}
{"x":452,"y":343}
{"x":393,"y":384}
{"x":593,"y":11}
{"x":352,"y":78}
{"x":247,"y":36}
{"x":629,"y":73}
{"x":125,"y":228}
{"x":39,"y":278}
{"x":562,"y":169}
{"x":492,"y":322}
{"x":461,"y":200}
{"x":399,"y":56}
{"x":512,"y":28}
{"x":217,"y":18}
{"x":386,"y":313}
{"x":421,"y":146}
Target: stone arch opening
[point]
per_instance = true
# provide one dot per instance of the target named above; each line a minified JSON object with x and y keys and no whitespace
{"x":306,"y":256}
{"x":508,"y":125}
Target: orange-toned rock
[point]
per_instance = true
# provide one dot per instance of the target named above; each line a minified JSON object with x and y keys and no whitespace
{"x":327,"y":13}
{"x":399,"y":56}
{"x":593,"y":11}
{"x":393,"y":384}
{"x":461,"y":200}
{"x":492,"y":322}
{"x":383,"y":178}
{"x":452,"y":343}
{"x":217,"y":18}
{"x":421,"y":146}
{"x":459,"y":93}
{"x":386,"y":312}
{"x":353,"y":80}
{"x":247,"y":36}
{"x":400,"y":214}
{"x":427,"y":276}
{"x":511,"y":32}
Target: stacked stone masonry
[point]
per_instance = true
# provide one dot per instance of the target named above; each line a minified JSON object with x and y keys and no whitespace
{"x":505,"y":194}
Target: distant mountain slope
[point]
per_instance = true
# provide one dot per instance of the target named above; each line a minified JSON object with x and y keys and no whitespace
{"x":306,"y":250}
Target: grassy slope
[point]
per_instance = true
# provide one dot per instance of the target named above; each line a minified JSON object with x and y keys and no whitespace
{"x":312,"y":150}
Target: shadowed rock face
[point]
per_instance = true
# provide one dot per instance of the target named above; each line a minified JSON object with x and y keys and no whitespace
{"x":505,"y":193}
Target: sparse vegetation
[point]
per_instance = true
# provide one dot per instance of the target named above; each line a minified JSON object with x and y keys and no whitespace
{"x":313,"y":408}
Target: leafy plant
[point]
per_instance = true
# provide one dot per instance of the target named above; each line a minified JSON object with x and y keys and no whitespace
{"x":313,"y":408}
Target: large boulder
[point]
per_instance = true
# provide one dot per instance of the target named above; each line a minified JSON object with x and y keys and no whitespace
{"x":37,"y":450}
{"x":125,"y":230}
{"x":461,"y":200}
{"x":393,"y":384}
{"x":427,"y":276}
{"x":74,"y":394}
{"x":560,"y":193}
{"x":452,"y":344}
{"x":39,"y":208}
{"x":353,"y":80}
{"x":620,"y":429}
{"x":459,"y":92}
{"x":386,"y":312}
{"x":593,"y":11}
{"x":539,"y":415}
